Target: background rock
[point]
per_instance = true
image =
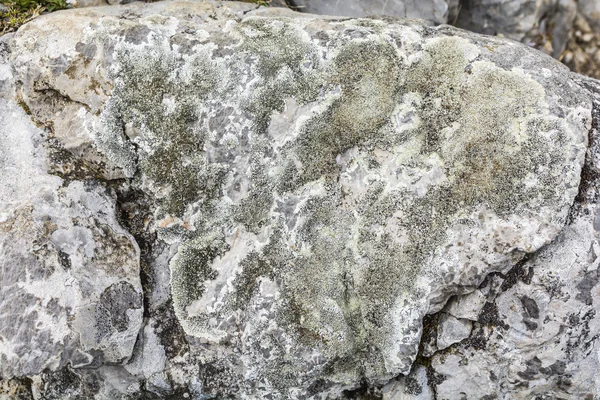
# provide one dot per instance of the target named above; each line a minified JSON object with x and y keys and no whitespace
{"x":437,"y":11}
{"x":548,"y":21}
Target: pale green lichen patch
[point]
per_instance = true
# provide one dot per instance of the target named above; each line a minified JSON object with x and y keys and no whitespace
{"x":491,"y":128}
{"x":366,"y":73}
{"x":287,"y":65}
{"x":190,"y":268}
{"x":156,"y":107}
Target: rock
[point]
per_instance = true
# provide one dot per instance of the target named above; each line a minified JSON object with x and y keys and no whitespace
{"x":545,"y":24}
{"x":71,"y":291}
{"x":468,"y":306}
{"x":452,"y":330}
{"x":14,"y":390}
{"x":437,"y":11}
{"x":53,"y":234}
{"x":552,"y":26}
{"x":299,"y":191}
{"x":88,"y":3}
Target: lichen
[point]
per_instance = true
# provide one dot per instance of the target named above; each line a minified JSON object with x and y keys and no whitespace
{"x":152,"y":123}
{"x":287,"y":65}
{"x":366,"y":72}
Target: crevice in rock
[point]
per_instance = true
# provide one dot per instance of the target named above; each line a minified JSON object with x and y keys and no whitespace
{"x":133,"y":214}
{"x":133,"y":208}
{"x":363,"y":392}
{"x":521,"y":272}
{"x":589,"y":173}
{"x":50,"y":92}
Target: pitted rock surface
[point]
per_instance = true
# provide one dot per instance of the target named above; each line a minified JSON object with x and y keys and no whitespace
{"x":313,"y":186}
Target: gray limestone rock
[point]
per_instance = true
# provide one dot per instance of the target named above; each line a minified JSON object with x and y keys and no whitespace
{"x":70,"y":274}
{"x":542,"y":23}
{"x":437,"y":11}
{"x":71,"y":291}
{"x":295,"y":192}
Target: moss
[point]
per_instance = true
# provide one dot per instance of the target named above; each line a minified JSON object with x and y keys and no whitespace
{"x":476,"y":118}
{"x":23,"y":104}
{"x":19,"y":12}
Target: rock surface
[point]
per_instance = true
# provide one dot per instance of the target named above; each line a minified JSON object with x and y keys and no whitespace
{"x":291,"y":195}
{"x":566,"y":29}
{"x":544,"y":338}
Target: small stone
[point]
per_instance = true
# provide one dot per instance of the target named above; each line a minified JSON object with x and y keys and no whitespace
{"x":587,"y":37}
{"x":468,"y":306}
{"x":452,"y":330}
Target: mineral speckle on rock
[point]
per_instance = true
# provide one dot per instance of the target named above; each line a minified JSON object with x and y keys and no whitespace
{"x":215,"y":200}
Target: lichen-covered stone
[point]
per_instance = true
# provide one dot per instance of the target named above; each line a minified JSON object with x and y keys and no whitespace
{"x":314,"y":186}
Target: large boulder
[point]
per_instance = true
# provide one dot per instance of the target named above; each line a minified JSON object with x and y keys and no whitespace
{"x":305,"y":191}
